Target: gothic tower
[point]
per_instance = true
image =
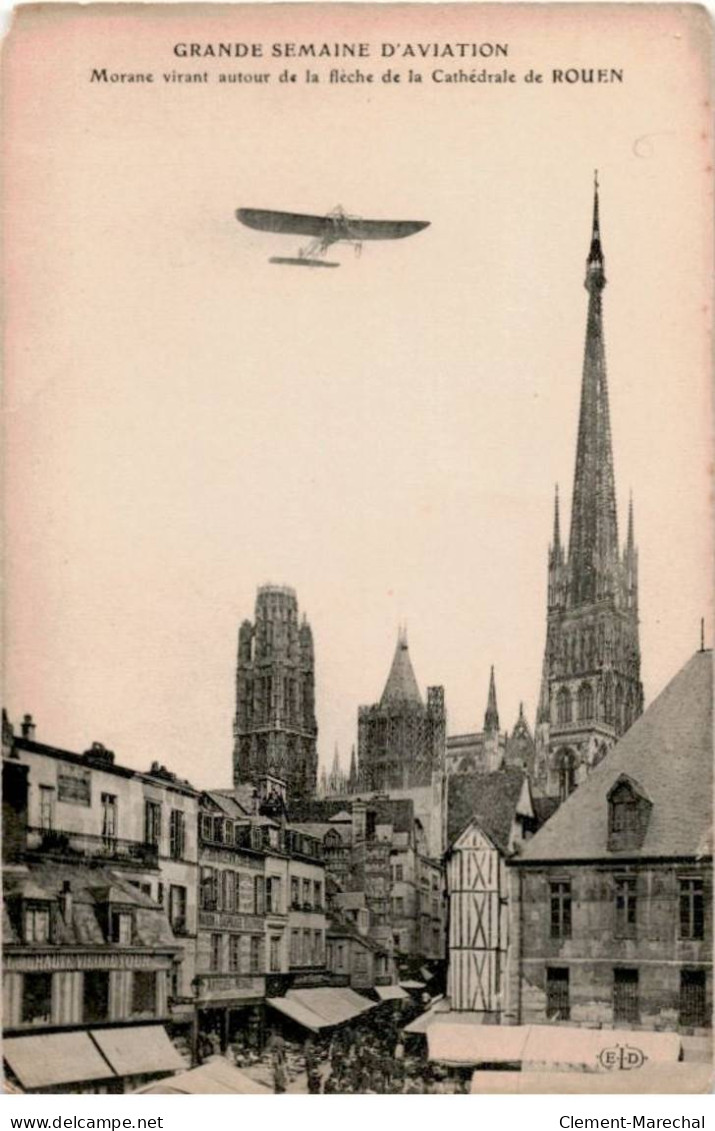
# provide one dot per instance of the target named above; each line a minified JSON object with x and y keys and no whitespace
{"x":275,"y":732}
{"x":401,"y":739}
{"x":590,"y":688}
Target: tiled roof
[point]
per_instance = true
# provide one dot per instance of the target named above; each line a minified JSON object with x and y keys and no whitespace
{"x":89,"y":886}
{"x":490,"y":798}
{"x":669,"y":752}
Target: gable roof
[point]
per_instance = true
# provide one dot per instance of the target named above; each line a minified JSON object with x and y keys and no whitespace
{"x":668,"y":751}
{"x":491,"y":799}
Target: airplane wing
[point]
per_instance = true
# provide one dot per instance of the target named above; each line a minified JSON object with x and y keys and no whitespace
{"x":385,"y":229}
{"x":287,"y":223}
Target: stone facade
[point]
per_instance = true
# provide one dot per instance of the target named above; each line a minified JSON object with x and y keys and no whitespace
{"x":275,"y":730}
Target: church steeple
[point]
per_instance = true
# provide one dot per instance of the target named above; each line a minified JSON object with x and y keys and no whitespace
{"x":491,"y":715}
{"x":593,"y":542}
{"x":590,"y":688}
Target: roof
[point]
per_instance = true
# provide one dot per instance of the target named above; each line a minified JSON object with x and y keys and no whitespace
{"x":401,"y":686}
{"x":341,"y":929}
{"x":89,"y":887}
{"x":491,"y":799}
{"x":228,"y":804}
{"x":668,"y":751}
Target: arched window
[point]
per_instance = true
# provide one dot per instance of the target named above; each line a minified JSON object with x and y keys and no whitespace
{"x":628,"y":714}
{"x":563,"y":705}
{"x":608,"y":699}
{"x":619,"y":708}
{"x":585,"y":702}
{"x":566,"y":763}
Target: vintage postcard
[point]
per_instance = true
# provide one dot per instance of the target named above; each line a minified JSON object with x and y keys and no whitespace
{"x":358,"y":549}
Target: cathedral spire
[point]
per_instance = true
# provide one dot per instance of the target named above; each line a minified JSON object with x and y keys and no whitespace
{"x":630,"y":542}
{"x":491,"y":715}
{"x":557,"y":524}
{"x":593,"y":542}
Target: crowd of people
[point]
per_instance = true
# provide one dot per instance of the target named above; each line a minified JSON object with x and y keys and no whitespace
{"x":363,"y":1059}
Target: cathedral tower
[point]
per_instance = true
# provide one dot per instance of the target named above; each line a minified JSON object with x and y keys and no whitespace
{"x":275,"y":732}
{"x":590,"y":689}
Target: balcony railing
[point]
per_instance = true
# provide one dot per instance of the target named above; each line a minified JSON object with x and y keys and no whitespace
{"x":74,"y":845}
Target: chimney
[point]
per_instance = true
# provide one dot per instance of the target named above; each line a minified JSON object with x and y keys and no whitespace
{"x":66,"y":901}
{"x":27,"y":727}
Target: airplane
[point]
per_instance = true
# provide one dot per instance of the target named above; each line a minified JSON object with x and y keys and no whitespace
{"x":335,"y":227}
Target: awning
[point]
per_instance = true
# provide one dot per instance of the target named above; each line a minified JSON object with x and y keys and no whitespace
{"x":556,"y":1046}
{"x":461,"y":1041}
{"x":391,"y":993}
{"x":48,"y":1059}
{"x":215,"y":1078}
{"x":665,"y":1079}
{"x":322,"y":1007}
{"x":138,"y":1050}
{"x":410,"y":984}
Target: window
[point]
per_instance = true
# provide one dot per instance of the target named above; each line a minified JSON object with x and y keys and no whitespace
{"x":306,"y":957}
{"x":558,"y":1007}
{"x":122,"y":928}
{"x":177,"y":908}
{"x":275,"y":954}
{"x":36,"y":999}
{"x":209,"y":889}
{"x":144,"y":993}
{"x":307,"y":905}
{"x":259,"y":895}
{"x":563,"y":706}
{"x":228,"y":896}
{"x":399,"y":873}
{"x":692,"y":909}
{"x":317,"y":948}
{"x":693,"y":1013}
{"x":109,"y":816}
{"x":206,"y":826}
{"x":176,"y":834}
{"x":567,"y":773}
{"x":625,"y":907}
{"x":317,"y":895}
{"x":37,"y":923}
{"x":561,"y":909}
{"x":398,"y":904}
{"x":625,"y":996}
{"x":585,"y":702}
{"x":218,"y":830}
{"x":215,"y":956}
{"x":95,"y":996}
{"x":47,"y":807}
{"x":273,"y":895}
{"x":294,"y":893}
{"x":234,"y":953}
{"x":255,"y":954}
{"x":340,"y":959}
{"x":152,"y":822}
{"x":628,"y":815}
{"x":295,"y":947}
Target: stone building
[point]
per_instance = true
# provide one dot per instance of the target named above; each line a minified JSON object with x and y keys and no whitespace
{"x":401,"y":739}
{"x":590,"y":690}
{"x":99,"y":928}
{"x":611,"y":901}
{"x":275,"y":730}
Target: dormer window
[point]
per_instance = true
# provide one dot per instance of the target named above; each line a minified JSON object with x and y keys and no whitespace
{"x":628,"y":815}
{"x":121,"y":927}
{"x":36,"y":922}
